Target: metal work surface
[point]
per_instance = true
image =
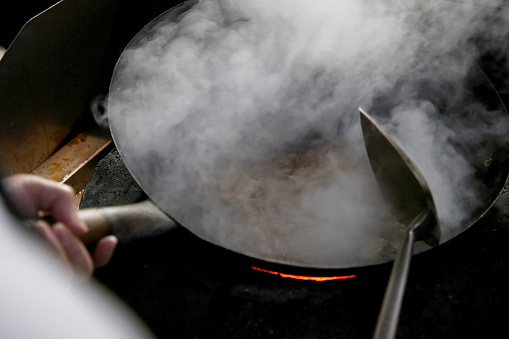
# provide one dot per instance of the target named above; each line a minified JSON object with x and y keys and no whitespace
{"x":47,"y":75}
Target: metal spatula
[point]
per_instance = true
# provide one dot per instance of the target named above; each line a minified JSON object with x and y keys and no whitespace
{"x":407,"y":193}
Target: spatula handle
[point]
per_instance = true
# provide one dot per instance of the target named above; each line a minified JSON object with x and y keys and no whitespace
{"x":389,"y":314}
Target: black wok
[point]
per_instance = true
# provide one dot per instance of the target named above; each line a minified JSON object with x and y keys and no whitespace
{"x":192,"y":191}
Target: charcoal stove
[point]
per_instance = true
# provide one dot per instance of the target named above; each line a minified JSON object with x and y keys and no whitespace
{"x":184,"y":287}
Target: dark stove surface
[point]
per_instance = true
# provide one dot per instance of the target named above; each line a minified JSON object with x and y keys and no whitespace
{"x":186,"y":288}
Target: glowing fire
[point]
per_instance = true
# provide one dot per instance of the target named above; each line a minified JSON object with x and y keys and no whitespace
{"x":303,"y":277}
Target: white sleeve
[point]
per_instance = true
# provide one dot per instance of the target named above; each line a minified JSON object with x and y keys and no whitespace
{"x":37,"y":299}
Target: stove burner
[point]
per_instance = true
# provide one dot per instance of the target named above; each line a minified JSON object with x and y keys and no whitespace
{"x":305,"y":277}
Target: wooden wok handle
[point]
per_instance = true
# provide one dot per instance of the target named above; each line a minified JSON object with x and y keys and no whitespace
{"x":97,"y":224}
{"x":127,"y":222}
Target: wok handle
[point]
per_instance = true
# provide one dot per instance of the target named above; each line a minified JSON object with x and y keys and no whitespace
{"x":389,"y":314}
{"x":98,"y":226}
{"x":127,"y":222}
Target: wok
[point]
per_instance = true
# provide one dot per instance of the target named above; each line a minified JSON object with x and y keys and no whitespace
{"x":191,"y":190}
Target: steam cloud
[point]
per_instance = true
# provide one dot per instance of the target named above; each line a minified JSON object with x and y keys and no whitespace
{"x":240,"y":118}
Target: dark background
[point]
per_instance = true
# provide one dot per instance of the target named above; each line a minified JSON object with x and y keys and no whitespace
{"x":14,"y":14}
{"x":183,"y":287}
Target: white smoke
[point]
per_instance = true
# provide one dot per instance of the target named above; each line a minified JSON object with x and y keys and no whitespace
{"x":226,"y":103}
{"x":99,"y":112}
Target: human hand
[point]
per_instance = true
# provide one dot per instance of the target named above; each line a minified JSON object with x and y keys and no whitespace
{"x":33,"y":195}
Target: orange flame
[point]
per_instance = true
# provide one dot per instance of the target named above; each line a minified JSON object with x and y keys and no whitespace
{"x":303,"y":277}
